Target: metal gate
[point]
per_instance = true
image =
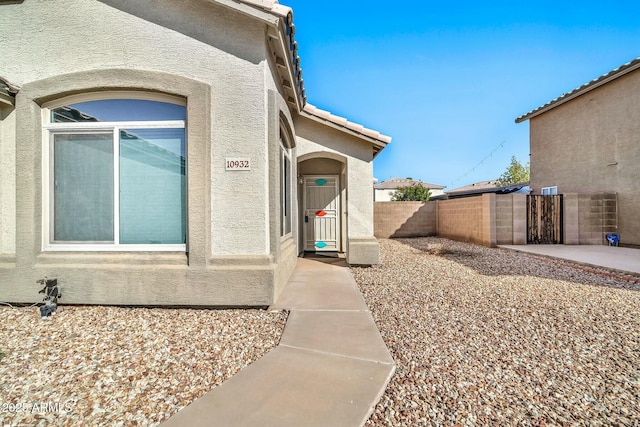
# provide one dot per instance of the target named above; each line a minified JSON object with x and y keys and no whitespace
{"x":544,"y":219}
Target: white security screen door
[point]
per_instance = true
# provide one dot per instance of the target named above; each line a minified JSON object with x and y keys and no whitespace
{"x":321,"y":213}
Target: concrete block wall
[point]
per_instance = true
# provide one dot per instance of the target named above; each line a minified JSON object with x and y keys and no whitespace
{"x":404,"y":219}
{"x":596,"y":218}
{"x":511,"y":219}
{"x":504,"y":220}
{"x":461,"y":219}
{"x":496,"y":219}
{"x":488,"y":219}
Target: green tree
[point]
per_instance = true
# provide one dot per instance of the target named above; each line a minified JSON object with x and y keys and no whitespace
{"x":515,"y":173}
{"x":415,"y":192}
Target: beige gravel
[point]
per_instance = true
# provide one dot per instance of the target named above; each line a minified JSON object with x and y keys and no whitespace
{"x":492,"y":337}
{"x":113,"y":366}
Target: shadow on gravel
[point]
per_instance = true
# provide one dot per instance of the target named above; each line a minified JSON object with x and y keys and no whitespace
{"x":500,"y":262}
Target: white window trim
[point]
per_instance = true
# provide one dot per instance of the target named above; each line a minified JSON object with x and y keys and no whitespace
{"x":552,"y":191}
{"x":50,"y":129}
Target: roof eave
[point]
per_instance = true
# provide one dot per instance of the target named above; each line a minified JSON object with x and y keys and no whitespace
{"x":631,"y":66}
{"x":286,"y":61}
{"x":8,"y":92}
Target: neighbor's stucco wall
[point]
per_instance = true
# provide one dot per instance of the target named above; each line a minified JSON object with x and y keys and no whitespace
{"x":592,"y":144}
{"x":208,"y":54}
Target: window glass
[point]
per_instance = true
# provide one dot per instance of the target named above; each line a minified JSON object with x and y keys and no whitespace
{"x":285,"y":188}
{"x":118,"y":110}
{"x":83,"y":187}
{"x":152,"y":186}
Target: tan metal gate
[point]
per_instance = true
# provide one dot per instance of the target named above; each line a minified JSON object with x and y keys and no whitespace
{"x":544,"y":219}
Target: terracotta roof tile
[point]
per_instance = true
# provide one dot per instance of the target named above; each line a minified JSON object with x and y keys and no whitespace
{"x":346,"y":124}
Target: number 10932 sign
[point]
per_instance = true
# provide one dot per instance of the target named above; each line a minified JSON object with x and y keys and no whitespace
{"x":236,"y":164}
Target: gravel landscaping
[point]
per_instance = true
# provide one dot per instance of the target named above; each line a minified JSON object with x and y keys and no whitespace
{"x":121,"y":366}
{"x":487,"y":336}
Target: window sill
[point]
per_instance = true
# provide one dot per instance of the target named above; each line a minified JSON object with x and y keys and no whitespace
{"x":113,"y":248}
{"x":109,"y":259}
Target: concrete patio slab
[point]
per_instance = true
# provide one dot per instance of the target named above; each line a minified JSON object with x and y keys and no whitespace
{"x":345,"y":333}
{"x":611,"y":257}
{"x":292,"y":387}
{"x":330,"y":295}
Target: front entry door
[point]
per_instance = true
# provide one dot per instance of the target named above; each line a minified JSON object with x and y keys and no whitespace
{"x":321,"y":213}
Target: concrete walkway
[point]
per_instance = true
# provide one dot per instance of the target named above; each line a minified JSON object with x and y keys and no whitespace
{"x":611,"y":257}
{"x":330,"y":368}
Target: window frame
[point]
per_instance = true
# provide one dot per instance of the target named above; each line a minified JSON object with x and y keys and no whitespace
{"x":549,"y":191}
{"x":50,"y":129}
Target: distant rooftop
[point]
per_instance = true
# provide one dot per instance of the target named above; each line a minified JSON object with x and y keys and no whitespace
{"x":486,"y":187}
{"x":393,"y":183}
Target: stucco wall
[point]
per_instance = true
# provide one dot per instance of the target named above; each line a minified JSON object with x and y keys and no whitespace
{"x":7,"y":183}
{"x":592,"y":144}
{"x":208,"y":54}
{"x":88,"y":35}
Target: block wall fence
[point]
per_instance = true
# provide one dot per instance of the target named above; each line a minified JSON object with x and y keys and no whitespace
{"x":493,"y":219}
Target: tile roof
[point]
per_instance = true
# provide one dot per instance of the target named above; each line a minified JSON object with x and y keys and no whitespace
{"x":604,"y":79}
{"x":341,"y":122}
{"x":393,"y":183}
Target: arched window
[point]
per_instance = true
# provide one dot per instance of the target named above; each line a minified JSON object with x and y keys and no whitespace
{"x":285,"y":185}
{"x":116,"y":173}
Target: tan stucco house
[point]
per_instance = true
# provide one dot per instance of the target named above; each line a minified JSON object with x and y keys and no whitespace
{"x":162,"y":152}
{"x":588,"y":141}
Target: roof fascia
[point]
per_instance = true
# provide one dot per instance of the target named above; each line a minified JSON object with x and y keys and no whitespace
{"x":576,"y":93}
{"x":288,"y":59}
{"x":267,"y":18}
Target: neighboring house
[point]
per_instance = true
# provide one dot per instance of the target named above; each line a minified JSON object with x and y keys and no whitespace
{"x":158,"y":154}
{"x":483,"y":187}
{"x":588,"y":141}
{"x":383,"y":191}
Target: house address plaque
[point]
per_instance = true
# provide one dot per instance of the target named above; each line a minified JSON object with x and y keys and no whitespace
{"x":237,"y":164}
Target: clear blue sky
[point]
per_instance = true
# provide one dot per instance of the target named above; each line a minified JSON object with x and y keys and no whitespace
{"x":446,"y":80}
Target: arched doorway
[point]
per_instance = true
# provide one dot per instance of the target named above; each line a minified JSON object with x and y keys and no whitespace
{"x":322,"y":202}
